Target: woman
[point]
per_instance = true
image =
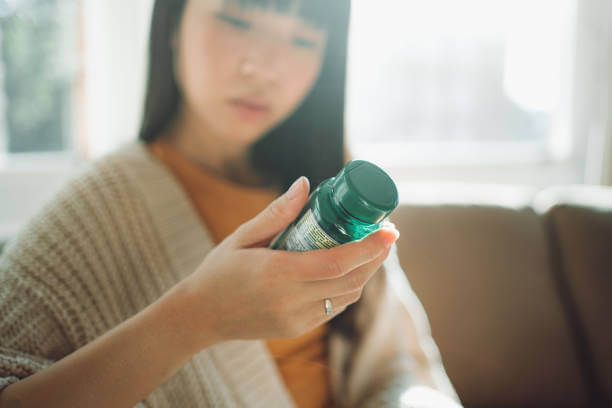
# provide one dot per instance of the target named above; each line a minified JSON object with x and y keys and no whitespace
{"x":147,"y":279}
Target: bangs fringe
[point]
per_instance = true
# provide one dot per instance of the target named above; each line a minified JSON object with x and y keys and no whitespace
{"x":318,"y":13}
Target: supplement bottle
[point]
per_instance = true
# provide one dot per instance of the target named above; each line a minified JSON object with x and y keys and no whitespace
{"x":341,"y":209}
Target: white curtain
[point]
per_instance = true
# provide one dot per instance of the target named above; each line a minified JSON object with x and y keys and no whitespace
{"x":607,"y":156}
{"x":116,"y":38}
{"x":593,"y":94}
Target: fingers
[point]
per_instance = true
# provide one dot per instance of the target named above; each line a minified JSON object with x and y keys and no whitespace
{"x":336,"y":262}
{"x":339,"y":303}
{"x":274,"y":218}
{"x":349,"y":283}
{"x":316,"y":309}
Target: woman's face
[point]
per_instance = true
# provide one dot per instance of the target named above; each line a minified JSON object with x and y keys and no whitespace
{"x":243,"y":70}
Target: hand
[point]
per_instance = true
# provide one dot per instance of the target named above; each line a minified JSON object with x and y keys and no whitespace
{"x":243,"y":290}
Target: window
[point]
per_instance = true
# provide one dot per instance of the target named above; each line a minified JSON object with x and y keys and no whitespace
{"x":475,"y":82}
{"x":39,"y":63}
{"x":41,"y":103}
{"x":72,"y":76}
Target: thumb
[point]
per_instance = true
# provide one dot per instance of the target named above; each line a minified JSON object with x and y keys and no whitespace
{"x":275,"y":217}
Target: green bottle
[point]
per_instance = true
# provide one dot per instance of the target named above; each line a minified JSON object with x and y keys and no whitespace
{"x":341,"y":209}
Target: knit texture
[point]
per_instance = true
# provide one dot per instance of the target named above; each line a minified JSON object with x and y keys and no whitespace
{"x":301,"y":360}
{"x":119,"y":235}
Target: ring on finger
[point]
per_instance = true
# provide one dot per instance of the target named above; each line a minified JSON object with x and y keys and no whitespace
{"x":328,"y":307}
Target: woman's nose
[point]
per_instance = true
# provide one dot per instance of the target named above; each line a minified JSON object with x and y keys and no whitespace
{"x":267,"y":61}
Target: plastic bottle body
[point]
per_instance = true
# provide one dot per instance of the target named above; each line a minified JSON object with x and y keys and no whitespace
{"x":322,"y":223}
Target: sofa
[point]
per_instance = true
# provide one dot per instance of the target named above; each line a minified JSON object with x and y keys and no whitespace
{"x":517,"y":285}
{"x":518,"y":292}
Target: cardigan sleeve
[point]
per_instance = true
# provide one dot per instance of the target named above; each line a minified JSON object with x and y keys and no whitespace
{"x":30,"y":338}
{"x":395,"y":362}
{"x":39,"y":322}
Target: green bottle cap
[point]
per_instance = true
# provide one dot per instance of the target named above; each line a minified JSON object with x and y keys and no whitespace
{"x":365,"y":191}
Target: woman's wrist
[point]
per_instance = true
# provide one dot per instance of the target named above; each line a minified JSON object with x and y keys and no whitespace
{"x":189,"y":324}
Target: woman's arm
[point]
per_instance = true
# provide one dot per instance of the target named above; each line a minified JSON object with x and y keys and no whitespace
{"x":117,"y":369}
{"x":283,"y":293}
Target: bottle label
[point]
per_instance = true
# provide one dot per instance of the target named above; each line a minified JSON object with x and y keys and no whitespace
{"x":307,"y":235}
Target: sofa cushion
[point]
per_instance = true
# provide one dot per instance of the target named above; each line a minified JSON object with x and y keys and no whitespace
{"x":483,"y":275}
{"x":580,"y":222}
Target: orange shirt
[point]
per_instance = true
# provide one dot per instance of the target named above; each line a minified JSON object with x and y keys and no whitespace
{"x":223,"y":205}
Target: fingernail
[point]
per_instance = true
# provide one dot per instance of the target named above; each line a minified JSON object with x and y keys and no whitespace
{"x":295,"y":188}
{"x":389,"y":242}
{"x":388,"y":224}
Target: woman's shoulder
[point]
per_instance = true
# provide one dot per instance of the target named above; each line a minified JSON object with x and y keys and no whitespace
{"x":102,"y":193}
{"x":96,"y":242}
{"x":109,"y":180}
{"x":103,"y":182}
{"x":124,"y":201}
{"x":129,"y":161}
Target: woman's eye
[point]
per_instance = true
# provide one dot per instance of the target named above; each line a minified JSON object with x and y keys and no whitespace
{"x":236,"y":22}
{"x":303,"y":42}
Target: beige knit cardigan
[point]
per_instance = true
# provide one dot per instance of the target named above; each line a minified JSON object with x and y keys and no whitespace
{"x":120,"y":234}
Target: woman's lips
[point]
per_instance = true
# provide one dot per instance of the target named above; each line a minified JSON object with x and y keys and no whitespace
{"x":249,"y":110}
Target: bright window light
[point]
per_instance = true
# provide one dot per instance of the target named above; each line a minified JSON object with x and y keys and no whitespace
{"x":476,"y":80}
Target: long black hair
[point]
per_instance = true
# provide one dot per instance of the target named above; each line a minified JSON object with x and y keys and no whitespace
{"x":308,"y":142}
